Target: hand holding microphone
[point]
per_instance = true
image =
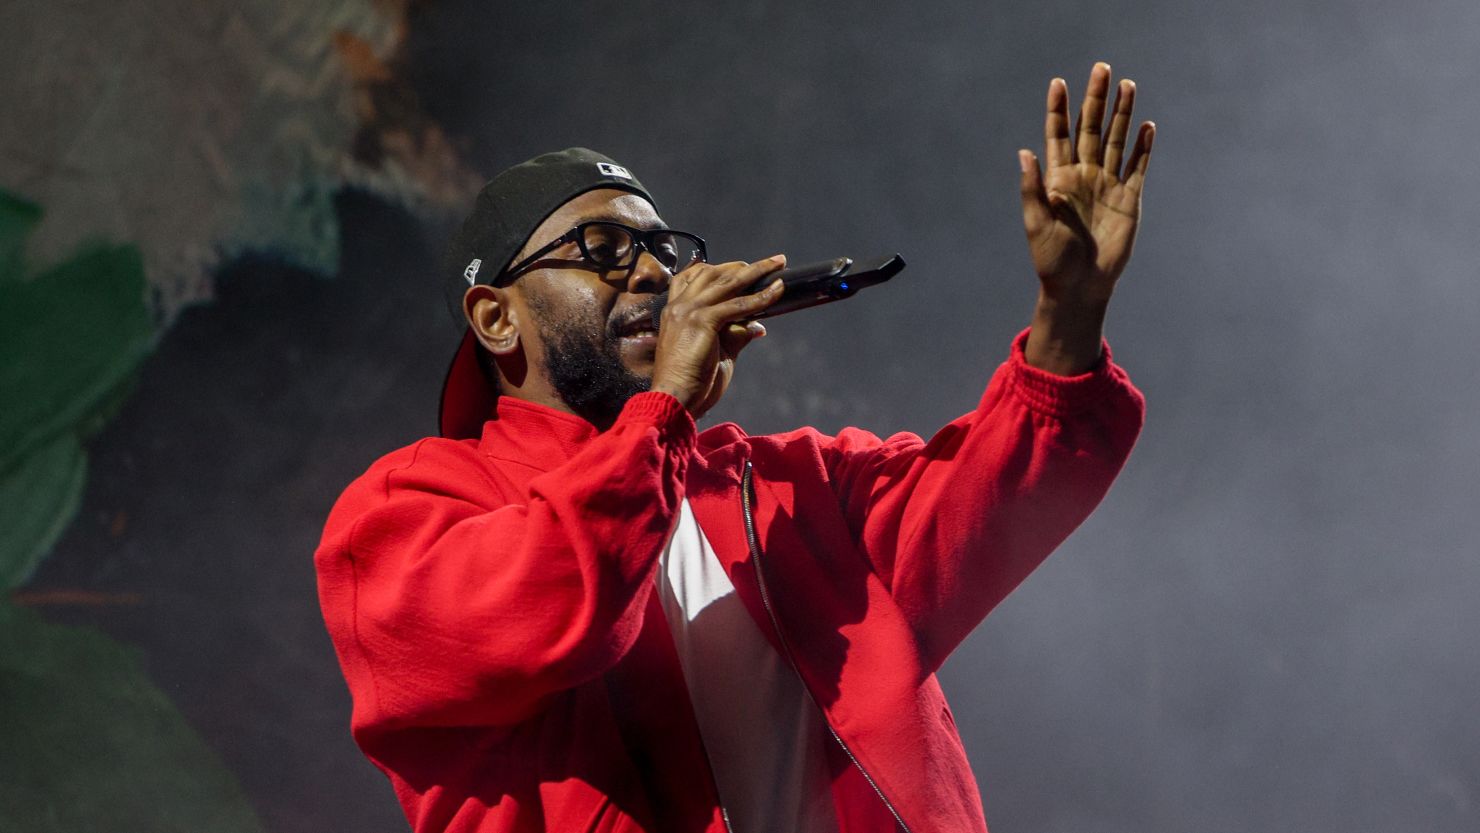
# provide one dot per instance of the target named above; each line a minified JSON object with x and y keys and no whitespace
{"x":813,"y":284}
{"x":706,"y":317}
{"x":702,"y":327}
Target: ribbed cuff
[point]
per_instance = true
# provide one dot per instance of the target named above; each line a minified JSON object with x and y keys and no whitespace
{"x":663,"y":411}
{"x":1061,"y":396}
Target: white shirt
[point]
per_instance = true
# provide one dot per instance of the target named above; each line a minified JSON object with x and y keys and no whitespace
{"x":763,"y":733}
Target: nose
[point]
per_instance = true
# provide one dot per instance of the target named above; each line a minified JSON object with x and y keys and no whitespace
{"x":648,"y":275}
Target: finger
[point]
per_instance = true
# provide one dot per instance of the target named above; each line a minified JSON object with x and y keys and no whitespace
{"x":746,"y":306}
{"x":1092,"y":114}
{"x":1120,"y":123}
{"x":756,"y":272}
{"x":702,"y":282}
{"x":736,"y":335}
{"x":683,"y":280}
{"x":1056,"y":148}
{"x":1036,"y":214}
{"x":1140,"y":157}
{"x":728,"y":280}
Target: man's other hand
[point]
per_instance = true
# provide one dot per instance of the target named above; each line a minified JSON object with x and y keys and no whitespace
{"x":1081,"y":217}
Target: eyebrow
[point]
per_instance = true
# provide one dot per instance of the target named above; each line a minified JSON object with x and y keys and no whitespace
{"x":612,"y":218}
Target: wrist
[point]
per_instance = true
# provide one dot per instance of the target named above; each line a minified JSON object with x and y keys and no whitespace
{"x":683,"y":393}
{"x":1065,"y":337}
{"x":663,"y":411}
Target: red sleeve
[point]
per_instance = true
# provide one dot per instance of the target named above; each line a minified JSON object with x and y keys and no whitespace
{"x":954,"y":524}
{"x":446,"y":609}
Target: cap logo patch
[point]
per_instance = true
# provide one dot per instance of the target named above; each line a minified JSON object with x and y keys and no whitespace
{"x":471,"y":273}
{"x":608,"y":169}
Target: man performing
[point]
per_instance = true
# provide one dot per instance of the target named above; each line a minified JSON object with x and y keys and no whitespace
{"x":573,"y":612}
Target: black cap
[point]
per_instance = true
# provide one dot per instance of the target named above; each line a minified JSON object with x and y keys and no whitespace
{"x":508,"y":209}
{"x":513,"y":204}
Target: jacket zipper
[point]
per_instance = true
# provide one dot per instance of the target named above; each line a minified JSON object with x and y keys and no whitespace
{"x":724,"y":815}
{"x":760,"y":575}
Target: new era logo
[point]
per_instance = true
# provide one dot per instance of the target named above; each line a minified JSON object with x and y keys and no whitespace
{"x":471,"y":273}
{"x":609,"y":169}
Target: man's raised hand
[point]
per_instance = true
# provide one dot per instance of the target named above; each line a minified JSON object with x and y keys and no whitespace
{"x":1081,"y":217}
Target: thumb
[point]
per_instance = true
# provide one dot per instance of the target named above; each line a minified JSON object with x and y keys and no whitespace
{"x":1036,"y":214}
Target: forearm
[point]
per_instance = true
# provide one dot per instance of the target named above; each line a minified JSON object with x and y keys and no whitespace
{"x":955,"y":524}
{"x":1065,"y":338}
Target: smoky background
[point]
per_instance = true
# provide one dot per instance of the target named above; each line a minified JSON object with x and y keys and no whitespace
{"x":1270,"y":622}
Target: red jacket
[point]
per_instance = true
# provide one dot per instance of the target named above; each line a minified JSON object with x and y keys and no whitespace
{"x":491,"y":601}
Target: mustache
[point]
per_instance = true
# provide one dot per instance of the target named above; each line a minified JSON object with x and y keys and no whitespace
{"x":646,"y":311}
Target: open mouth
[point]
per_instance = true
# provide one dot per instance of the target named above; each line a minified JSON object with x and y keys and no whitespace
{"x":638,"y":327}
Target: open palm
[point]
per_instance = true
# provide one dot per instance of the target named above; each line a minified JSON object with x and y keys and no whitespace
{"x":1081,"y":216}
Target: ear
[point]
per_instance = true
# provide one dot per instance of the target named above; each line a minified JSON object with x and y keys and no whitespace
{"x":492,"y":318}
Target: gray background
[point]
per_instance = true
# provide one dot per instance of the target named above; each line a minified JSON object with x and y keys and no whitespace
{"x":1268,"y":625}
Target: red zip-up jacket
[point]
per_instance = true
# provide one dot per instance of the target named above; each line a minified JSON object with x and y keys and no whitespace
{"x":492,"y":601}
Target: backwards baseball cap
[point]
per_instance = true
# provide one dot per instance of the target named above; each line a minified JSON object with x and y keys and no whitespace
{"x":508,"y":210}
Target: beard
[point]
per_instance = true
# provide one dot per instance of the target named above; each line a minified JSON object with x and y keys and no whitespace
{"x":583,"y":362}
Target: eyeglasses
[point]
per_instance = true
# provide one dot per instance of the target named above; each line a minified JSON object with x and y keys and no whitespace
{"x":614,"y":246}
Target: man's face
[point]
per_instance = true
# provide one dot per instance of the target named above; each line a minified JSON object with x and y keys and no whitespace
{"x":591,"y":332}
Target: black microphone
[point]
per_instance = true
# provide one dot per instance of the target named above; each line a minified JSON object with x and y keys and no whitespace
{"x":813,"y":284}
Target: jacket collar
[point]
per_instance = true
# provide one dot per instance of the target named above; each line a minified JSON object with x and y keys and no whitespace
{"x":536,"y":435}
{"x":543,"y":438}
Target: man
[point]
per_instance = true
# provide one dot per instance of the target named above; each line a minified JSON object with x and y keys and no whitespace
{"x":571,"y":612}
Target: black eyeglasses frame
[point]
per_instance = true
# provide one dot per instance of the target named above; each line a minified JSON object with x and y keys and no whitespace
{"x":642,"y":241}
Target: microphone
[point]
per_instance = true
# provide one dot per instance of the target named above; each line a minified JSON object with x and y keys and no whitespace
{"x":813,"y":284}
